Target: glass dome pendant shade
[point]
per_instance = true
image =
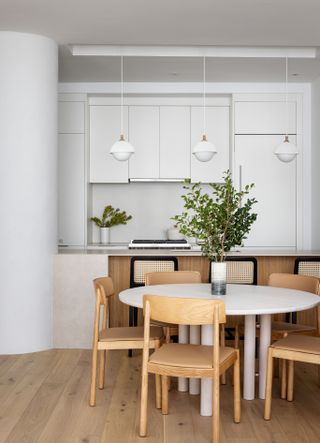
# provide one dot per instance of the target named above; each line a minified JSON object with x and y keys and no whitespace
{"x":286,"y":151}
{"x":121,"y":149}
{"x":204,"y":150}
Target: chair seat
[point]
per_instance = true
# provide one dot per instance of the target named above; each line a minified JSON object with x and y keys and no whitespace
{"x":282,"y":326}
{"x":188,"y":356}
{"x":299,"y":343}
{"x":129,"y":333}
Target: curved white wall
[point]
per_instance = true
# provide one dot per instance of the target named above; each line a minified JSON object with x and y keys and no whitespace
{"x":28,"y":147}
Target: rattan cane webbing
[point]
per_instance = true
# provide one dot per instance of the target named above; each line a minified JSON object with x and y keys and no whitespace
{"x":240,"y":272}
{"x":309,"y":268}
{"x":141,"y":268}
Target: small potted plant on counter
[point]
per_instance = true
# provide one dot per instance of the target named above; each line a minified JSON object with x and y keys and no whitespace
{"x":110,"y":217}
{"x":219,"y":221}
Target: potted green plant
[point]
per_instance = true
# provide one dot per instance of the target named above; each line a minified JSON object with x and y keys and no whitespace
{"x":110,"y":217}
{"x":219,"y":221}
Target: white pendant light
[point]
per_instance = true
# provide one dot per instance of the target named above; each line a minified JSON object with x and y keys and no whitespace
{"x":286,"y":151}
{"x":204,"y":150}
{"x":122,"y":149}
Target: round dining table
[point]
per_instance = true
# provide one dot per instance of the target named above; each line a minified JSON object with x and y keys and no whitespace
{"x":246,"y":300}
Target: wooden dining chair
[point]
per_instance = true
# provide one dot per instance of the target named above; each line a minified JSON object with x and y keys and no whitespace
{"x":291,"y":348}
{"x":280,"y":329}
{"x":185,"y":360}
{"x":173,"y":277}
{"x":108,"y":339}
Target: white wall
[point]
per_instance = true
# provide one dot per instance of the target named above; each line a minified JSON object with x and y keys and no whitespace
{"x":150,"y":204}
{"x":28,"y":140}
{"x":315,"y":124}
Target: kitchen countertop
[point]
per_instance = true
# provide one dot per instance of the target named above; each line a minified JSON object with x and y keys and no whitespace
{"x":121,"y":249}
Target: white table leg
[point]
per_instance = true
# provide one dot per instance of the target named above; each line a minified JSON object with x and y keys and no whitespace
{"x":265,"y":337}
{"x":194,"y":383}
{"x":206,"y":383}
{"x":183,"y":383}
{"x":249,"y":357}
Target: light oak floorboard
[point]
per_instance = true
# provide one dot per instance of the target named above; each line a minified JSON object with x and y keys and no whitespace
{"x":44,"y":398}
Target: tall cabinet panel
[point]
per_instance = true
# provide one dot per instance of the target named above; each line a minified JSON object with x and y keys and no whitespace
{"x":71,"y":173}
{"x":275,"y":189}
{"x":174,"y":142}
{"x":104,"y":131}
{"x":144,"y":136}
{"x":218,"y":133}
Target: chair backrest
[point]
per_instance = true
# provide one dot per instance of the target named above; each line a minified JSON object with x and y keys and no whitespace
{"x":307,"y":266}
{"x":241,"y":270}
{"x":174,"y":277}
{"x":294,"y":281}
{"x":103,"y":287}
{"x":140,"y":266}
{"x":185,"y":311}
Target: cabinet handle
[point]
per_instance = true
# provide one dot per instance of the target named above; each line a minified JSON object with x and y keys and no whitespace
{"x":240,"y":178}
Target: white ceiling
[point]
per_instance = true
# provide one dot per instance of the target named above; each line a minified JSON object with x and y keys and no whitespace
{"x":293,"y":23}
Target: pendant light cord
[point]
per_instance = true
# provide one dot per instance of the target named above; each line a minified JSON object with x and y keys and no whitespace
{"x":204,"y":96}
{"x":121,"y":106}
{"x":286,"y":94}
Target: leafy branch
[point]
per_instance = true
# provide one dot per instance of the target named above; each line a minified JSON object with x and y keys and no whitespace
{"x":111,"y":217}
{"x":220,"y":220}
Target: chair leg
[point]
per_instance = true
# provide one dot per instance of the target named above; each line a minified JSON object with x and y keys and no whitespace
{"x":133,"y":321}
{"x":164,"y":391}
{"x":215,"y":410}
{"x":290,"y":380}
{"x":267,"y":402}
{"x":102,"y":368}
{"x":236,"y":390}
{"x":236,"y":337}
{"x":144,"y":404}
{"x":92,"y":401}
{"x":158,"y":391}
{"x":283,"y":382}
{"x":223,"y":343}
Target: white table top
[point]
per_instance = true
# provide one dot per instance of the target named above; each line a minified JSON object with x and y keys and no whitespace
{"x":239,"y":300}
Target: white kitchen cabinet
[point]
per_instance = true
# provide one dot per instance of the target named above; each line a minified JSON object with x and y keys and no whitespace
{"x":218,"y":133}
{"x":144,"y":136}
{"x":104,"y":132}
{"x":71,"y":117}
{"x":264,"y":117}
{"x":174,"y":142}
{"x":275,"y":189}
{"x":71,"y":189}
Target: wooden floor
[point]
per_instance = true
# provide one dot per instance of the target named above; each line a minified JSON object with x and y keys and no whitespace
{"x":44,"y":398}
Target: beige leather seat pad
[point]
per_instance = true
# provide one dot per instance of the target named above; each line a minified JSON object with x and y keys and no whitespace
{"x":300,"y":343}
{"x":190,"y":356}
{"x":135,"y":333}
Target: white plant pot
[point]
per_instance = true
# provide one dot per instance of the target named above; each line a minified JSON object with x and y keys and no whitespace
{"x":218,"y":278}
{"x":104,"y":236}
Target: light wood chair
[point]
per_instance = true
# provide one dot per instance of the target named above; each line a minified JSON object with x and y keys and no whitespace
{"x":291,"y":348}
{"x":183,"y":360}
{"x":107,"y":339}
{"x":280,"y":329}
{"x":174,"y":277}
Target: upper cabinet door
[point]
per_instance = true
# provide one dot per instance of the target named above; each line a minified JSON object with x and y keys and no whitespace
{"x":104,"y":131}
{"x":144,"y":136}
{"x":217,"y":122}
{"x":264,"y":117}
{"x":175,"y":142}
{"x":71,"y":118}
